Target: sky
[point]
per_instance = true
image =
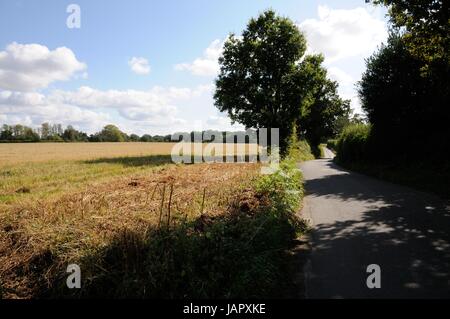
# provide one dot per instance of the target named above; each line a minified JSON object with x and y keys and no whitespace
{"x":149,"y":66}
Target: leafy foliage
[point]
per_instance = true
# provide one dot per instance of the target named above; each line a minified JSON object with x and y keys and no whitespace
{"x":259,"y":76}
{"x":322,"y":110}
{"x":263,"y":82}
{"x":284,"y":187}
{"x":18,"y":133}
{"x":111,"y":133}
{"x":427,"y":29}
{"x":352,"y":145}
{"x":405,"y":107}
{"x":299,"y":150}
{"x":332,"y":144}
{"x":405,"y":94}
{"x":73,"y":135}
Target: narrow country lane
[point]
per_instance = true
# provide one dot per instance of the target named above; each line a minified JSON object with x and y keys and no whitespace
{"x":358,"y":221}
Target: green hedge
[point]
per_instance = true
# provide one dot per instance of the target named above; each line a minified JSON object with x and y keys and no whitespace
{"x":352,"y":144}
{"x":332,"y":144}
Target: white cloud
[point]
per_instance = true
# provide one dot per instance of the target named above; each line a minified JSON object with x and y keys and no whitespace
{"x":340,"y":76}
{"x":345,"y":38}
{"x":208,"y":65}
{"x":155,"y":100}
{"x":352,"y":95}
{"x":27,"y":67}
{"x":340,"y":34}
{"x":91,"y":109}
{"x":139,"y":65}
{"x":32,"y":109}
{"x":131,"y":104}
{"x":222,"y":123}
{"x":347,"y":89}
{"x":21,"y":98}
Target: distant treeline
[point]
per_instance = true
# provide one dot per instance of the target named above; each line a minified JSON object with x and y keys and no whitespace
{"x":111,"y":133}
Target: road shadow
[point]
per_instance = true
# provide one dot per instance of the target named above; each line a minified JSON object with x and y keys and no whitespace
{"x":406,"y":232}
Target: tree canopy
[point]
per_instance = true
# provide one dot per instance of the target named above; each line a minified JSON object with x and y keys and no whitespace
{"x":322,"y":110}
{"x":405,"y":89}
{"x":265,"y":80}
{"x":258,"y":81}
{"x":426,"y":28}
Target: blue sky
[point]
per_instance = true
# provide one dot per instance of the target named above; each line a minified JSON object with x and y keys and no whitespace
{"x":149,"y":66}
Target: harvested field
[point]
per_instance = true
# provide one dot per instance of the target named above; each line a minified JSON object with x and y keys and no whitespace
{"x":139,"y":225}
{"x":42,"y":170}
{"x":48,"y":233}
{"x":13,"y":153}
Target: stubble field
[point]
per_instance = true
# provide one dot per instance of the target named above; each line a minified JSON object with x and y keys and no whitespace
{"x":13,"y":153}
{"x":61,"y":202}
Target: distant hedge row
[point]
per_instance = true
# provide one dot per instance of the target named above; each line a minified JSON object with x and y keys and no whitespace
{"x":353,"y":144}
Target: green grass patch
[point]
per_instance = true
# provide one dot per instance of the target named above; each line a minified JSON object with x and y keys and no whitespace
{"x":53,"y":178}
{"x":300,"y":151}
{"x":332,"y":144}
{"x":352,"y":144}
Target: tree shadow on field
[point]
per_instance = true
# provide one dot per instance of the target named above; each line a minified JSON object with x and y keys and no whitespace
{"x":405,"y":231}
{"x":134,"y":161}
{"x":157,"y":160}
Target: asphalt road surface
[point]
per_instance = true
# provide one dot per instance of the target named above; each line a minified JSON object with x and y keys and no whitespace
{"x":358,"y":221}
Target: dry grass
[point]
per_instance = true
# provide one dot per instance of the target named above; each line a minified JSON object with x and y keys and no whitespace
{"x":57,"y":211}
{"x":138,"y":224}
{"x":42,"y":170}
{"x":60,"y":202}
{"x":32,"y":181}
{"x":14,"y":153}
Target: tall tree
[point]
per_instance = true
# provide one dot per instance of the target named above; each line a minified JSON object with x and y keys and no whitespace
{"x":258,"y":84}
{"x":111,"y":133}
{"x":322,"y":109}
{"x":72,"y":135}
{"x":426,"y":28}
{"x":406,"y":109}
{"x":45,"y":131}
{"x":6,"y":133}
{"x":414,"y":70}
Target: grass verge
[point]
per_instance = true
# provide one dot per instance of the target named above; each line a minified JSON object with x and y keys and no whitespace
{"x":300,"y":150}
